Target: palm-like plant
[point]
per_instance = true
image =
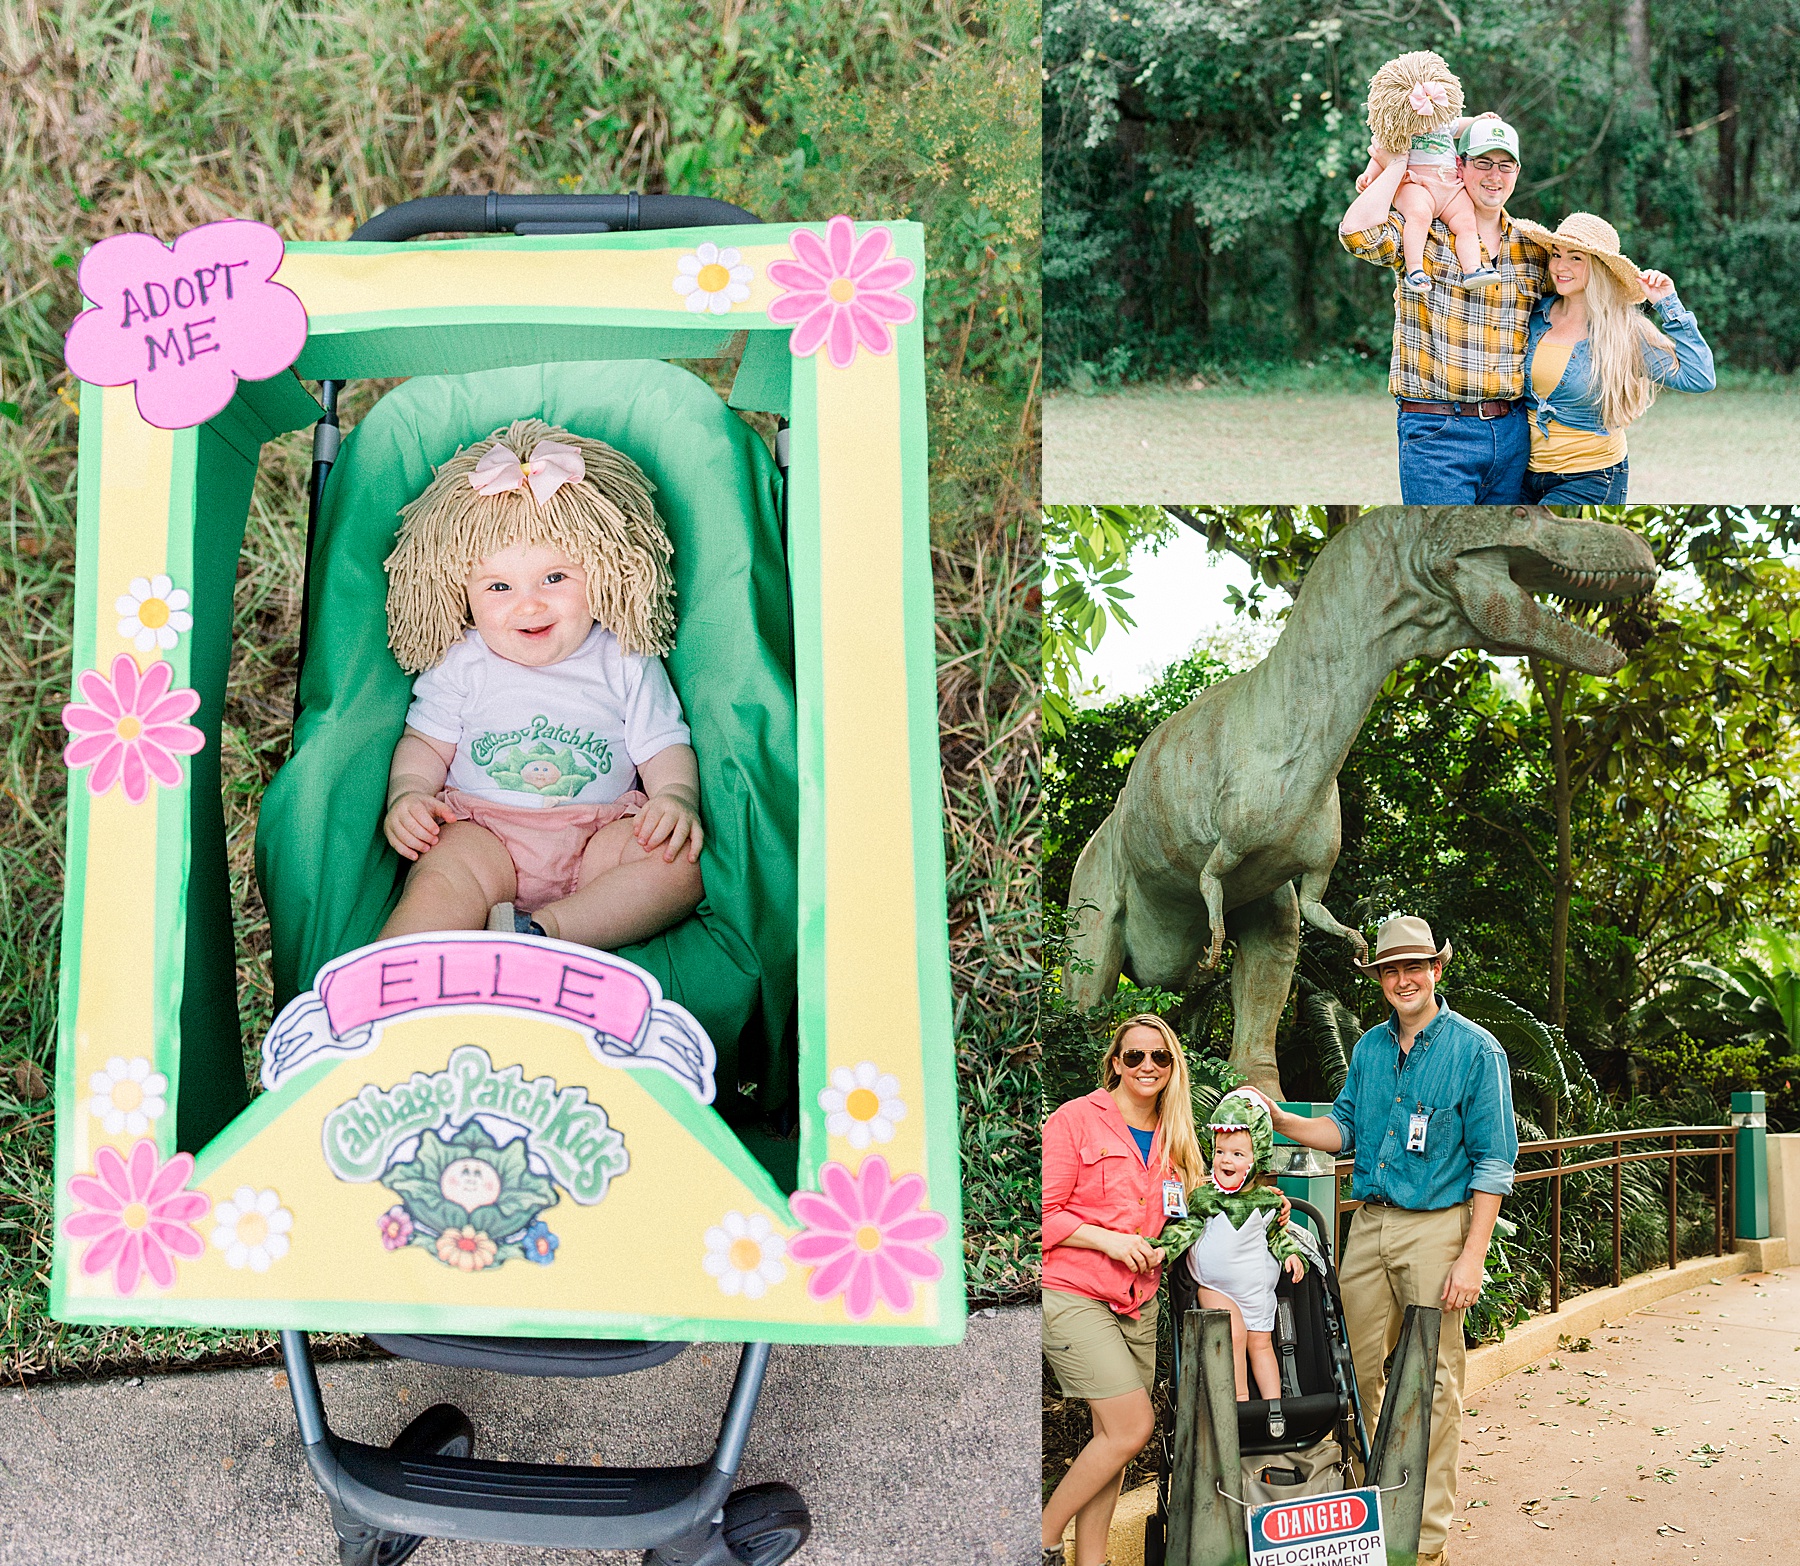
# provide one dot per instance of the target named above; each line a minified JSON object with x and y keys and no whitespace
{"x":1747,"y":1001}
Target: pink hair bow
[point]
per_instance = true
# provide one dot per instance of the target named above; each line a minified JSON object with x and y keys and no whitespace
{"x":1427,"y":97}
{"x":551,"y":466}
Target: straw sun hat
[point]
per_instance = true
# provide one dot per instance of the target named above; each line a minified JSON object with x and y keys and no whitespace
{"x":1403,"y":939}
{"x":1595,"y":238}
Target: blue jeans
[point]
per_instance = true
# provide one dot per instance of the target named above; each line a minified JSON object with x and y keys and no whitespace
{"x":1602,"y":487}
{"x":1459,"y":459}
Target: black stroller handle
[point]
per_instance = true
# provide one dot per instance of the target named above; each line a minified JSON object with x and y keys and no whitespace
{"x":497,"y":214}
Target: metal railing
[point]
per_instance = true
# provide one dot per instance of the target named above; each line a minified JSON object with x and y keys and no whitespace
{"x":1721,"y":1138}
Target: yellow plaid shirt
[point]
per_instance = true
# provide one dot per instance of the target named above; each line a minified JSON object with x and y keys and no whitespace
{"x":1457,"y":344}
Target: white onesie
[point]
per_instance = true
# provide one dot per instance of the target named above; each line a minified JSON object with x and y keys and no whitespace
{"x":570,"y":731}
{"x":1238,"y":1264}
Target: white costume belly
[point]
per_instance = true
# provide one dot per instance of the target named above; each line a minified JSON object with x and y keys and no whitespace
{"x":1237,"y":1263}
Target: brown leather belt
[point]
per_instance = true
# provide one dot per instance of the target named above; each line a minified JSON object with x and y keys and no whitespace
{"x":1493,"y":409}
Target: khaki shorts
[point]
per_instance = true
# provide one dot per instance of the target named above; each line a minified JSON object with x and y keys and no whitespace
{"x":1096,"y":1352}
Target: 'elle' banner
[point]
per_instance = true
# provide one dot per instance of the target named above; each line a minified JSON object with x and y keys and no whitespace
{"x":617,"y":1005}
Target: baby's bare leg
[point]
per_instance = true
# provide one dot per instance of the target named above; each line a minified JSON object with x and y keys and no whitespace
{"x":1263,"y":1365}
{"x":1459,"y":217}
{"x":1212,"y":1299}
{"x":453,"y":885}
{"x":1416,"y":208}
{"x":623,"y":894}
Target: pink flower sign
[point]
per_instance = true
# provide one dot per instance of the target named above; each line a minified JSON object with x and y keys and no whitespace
{"x":841,"y":291}
{"x":184,"y":323}
{"x":139,"y":1214}
{"x":866,"y":1238}
{"x":130,"y":728}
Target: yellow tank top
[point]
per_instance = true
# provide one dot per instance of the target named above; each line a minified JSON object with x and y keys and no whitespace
{"x":1556,"y":448}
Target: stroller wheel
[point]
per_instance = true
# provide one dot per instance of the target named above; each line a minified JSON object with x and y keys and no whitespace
{"x":1156,"y":1542}
{"x":442,"y":1430}
{"x":765,"y":1524}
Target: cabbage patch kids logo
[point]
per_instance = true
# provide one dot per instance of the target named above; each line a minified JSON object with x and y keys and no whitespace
{"x":476,"y":1156}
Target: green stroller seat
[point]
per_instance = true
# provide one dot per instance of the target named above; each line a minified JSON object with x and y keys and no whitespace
{"x":329,"y":877}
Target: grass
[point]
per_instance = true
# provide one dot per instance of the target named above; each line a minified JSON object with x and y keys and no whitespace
{"x":159,"y":116}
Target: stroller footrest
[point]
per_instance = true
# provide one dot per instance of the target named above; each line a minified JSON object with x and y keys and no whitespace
{"x":552,"y":1505}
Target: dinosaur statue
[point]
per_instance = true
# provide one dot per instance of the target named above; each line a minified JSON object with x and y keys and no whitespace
{"x":1234,"y":800}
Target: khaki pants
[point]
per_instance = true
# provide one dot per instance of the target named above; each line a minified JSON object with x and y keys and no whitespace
{"x":1393,"y":1259}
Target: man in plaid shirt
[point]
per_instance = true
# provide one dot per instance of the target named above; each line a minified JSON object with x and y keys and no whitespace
{"x":1458,"y":370}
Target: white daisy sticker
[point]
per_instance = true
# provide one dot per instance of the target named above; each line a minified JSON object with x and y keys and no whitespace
{"x":128,"y":1095}
{"x":745,"y":1255}
{"x":252,"y":1228}
{"x":153,"y":613}
{"x":862,"y":1105}
{"x":712,"y":279}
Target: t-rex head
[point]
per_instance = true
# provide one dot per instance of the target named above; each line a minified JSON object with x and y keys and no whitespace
{"x":1490,"y":561}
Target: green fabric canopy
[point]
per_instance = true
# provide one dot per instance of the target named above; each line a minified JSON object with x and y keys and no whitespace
{"x":327,"y":874}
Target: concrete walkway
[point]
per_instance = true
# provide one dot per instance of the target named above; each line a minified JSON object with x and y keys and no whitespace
{"x":906,"y":1457}
{"x":1674,"y":1437}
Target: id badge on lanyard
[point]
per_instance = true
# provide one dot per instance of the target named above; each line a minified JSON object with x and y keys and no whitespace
{"x":1174,"y":1200}
{"x":1415,"y":1132}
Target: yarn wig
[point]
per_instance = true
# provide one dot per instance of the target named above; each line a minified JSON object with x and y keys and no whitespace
{"x":607,"y":522}
{"x":1393,"y":121}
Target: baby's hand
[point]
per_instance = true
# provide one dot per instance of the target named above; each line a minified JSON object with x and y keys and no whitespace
{"x":671,"y":820}
{"x":1364,"y":180}
{"x":1295,"y":1267}
{"x":412,"y":823}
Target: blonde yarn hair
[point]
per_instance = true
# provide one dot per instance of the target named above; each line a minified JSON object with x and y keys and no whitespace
{"x":1393,"y":121}
{"x":606,"y":522}
{"x":1174,"y":1105}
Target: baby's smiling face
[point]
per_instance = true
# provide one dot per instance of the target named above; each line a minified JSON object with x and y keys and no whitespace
{"x":1234,"y":1159}
{"x":529,"y":603}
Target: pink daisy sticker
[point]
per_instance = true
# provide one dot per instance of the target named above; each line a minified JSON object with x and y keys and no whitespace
{"x":130,"y":728}
{"x":866,"y":1238}
{"x":139,"y":1214}
{"x":841,"y":291}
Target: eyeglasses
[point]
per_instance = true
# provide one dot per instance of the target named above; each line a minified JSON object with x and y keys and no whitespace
{"x":1492,"y":165}
{"x":1130,"y":1059}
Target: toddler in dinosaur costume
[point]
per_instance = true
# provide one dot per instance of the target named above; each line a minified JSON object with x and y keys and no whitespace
{"x":1235,"y":1245}
{"x":530,"y":590}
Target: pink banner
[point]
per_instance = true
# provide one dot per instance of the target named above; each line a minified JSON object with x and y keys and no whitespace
{"x":398,"y":978}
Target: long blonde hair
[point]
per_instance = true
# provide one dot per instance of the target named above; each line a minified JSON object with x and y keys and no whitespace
{"x":1617,"y":335}
{"x":1174,"y":1105}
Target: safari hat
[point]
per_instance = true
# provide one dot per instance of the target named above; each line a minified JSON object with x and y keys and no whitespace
{"x":1593,"y":237}
{"x":1404,"y":939}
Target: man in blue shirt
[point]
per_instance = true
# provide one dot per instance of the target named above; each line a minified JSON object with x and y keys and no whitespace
{"x":1427,"y":1109}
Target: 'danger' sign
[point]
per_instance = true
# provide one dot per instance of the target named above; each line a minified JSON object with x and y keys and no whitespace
{"x":182,"y":324}
{"x":1343,"y":1529}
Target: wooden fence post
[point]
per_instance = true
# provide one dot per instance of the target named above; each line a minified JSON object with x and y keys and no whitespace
{"x":1403,"y":1438}
{"x":1206,"y":1529}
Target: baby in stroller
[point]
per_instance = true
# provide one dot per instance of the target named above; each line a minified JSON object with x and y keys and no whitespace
{"x":1235,"y":1244}
{"x":530,"y":591}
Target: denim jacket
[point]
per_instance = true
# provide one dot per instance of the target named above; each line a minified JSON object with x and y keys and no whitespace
{"x":1575,"y":400}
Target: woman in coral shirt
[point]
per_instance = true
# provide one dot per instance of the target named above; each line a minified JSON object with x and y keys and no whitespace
{"x":1116,"y":1164}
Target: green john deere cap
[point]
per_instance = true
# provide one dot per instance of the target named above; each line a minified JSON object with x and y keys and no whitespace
{"x":1489,"y":136}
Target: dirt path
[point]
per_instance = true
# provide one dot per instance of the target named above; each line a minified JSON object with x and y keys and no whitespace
{"x":1675,"y":1438}
{"x":1153,"y":444}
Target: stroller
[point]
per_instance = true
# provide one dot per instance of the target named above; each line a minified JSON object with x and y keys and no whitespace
{"x":765,"y":620}
{"x":1302,"y":1442}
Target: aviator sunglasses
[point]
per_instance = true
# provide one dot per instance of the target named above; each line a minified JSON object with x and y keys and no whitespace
{"x":1132,"y":1058}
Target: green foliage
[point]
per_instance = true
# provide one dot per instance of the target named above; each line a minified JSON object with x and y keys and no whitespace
{"x":1198,"y":159}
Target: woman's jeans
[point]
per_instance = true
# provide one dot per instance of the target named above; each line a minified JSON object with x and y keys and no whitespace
{"x":1602,"y":487}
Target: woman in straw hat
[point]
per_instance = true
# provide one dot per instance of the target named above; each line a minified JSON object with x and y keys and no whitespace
{"x":1117,"y":1163}
{"x":1594,"y":362}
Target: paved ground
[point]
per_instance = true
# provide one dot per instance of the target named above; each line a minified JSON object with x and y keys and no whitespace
{"x":906,"y":1457}
{"x":1675,"y":1438}
{"x":1155,"y":444}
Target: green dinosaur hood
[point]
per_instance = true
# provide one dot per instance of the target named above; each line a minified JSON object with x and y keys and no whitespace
{"x":1239,"y":1111}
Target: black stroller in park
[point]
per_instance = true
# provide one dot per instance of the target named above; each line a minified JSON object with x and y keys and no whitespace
{"x":1303,"y":1442}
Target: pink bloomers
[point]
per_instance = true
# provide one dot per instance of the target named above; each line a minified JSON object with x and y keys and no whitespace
{"x":546,"y":843}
